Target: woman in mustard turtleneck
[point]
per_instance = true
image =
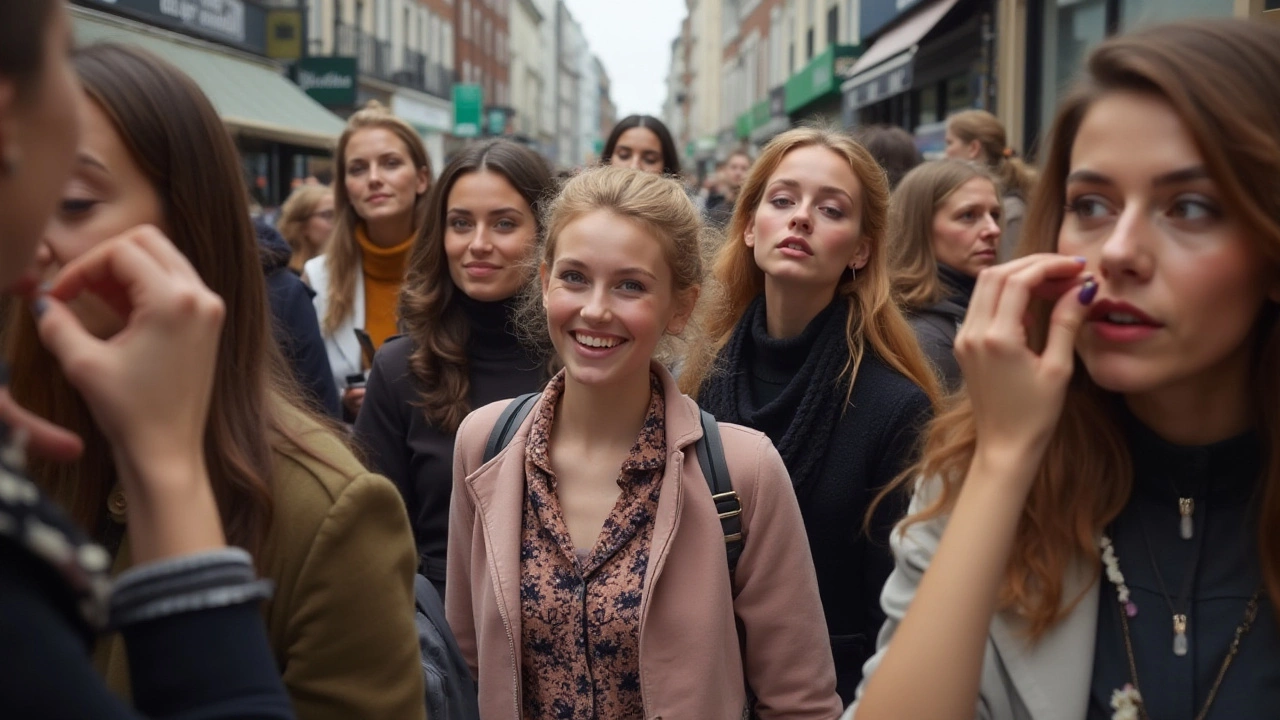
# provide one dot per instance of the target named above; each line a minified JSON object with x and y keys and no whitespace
{"x":380,"y":201}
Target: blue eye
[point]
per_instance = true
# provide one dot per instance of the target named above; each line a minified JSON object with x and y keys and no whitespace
{"x":780,"y":202}
{"x":632,"y":286}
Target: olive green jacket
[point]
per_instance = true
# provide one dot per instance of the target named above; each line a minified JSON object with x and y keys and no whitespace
{"x":342,"y":558}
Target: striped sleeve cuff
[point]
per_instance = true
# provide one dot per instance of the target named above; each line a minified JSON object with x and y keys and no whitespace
{"x":203,"y":581}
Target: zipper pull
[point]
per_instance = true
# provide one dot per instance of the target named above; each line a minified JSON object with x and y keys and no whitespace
{"x":1180,"y":635}
{"x":1186,"y":506}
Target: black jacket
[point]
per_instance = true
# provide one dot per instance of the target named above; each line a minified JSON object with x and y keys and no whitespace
{"x":936,"y":326}
{"x":400,"y":443}
{"x":872,"y":442}
{"x":296,"y":328}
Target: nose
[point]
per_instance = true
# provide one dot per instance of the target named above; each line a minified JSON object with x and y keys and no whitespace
{"x":596,"y":309}
{"x":991,"y":228}
{"x":634,"y":162}
{"x":802,"y":217}
{"x":481,"y":244}
{"x":1126,"y":251}
{"x":375,"y":176}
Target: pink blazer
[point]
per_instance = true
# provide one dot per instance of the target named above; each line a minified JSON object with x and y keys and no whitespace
{"x":691,"y":662}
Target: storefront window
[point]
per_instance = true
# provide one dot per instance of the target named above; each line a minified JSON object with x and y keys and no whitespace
{"x":1145,"y":12}
{"x":959,"y":93}
{"x":927,"y":101}
{"x":1070,"y":29}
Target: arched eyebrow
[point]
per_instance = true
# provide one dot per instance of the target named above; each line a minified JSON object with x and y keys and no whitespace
{"x":823,"y":190}
{"x":1175,"y":177}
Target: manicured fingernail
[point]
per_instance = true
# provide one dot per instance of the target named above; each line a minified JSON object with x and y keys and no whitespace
{"x":1088,"y":291}
{"x":39,"y":306}
{"x":1080,"y":259}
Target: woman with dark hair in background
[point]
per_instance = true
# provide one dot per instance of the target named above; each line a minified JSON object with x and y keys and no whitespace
{"x":979,"y":136}
{"x":1095,"y":526}
{"x":380,"y":199}
{"x":188,"y":612}
{"x":892,"y":147}
{"x":644,"y":143}
{"x":331,"y":536}
{"x":945,"y":223}
{"x":461,"y":349}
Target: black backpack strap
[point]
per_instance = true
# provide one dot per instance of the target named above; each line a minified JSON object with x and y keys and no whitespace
{"x":715,"y":469}
{"x":508,"y":422}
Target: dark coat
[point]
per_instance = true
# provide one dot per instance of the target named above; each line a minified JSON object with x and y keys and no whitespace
{"x":936,"y":326}
{"x":295,"y":326}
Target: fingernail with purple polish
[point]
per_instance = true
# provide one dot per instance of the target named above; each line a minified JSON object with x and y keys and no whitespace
{"x":1088,"y":291}
{"x":39,"y":306}
{"x":1080,"y":260}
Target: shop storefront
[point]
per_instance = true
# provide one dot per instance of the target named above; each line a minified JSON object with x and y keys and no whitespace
{"x":276,"y":126}
{"x":813,"y":93}
{"x":431,"y":116}
{"x":926,"y":60}
{"x":1061,"y":32}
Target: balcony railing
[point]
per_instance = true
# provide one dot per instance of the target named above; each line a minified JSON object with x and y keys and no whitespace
{"x":418,"y":72}
{"x":373,"y":56}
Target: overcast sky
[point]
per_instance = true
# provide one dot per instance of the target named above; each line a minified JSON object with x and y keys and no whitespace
{"x":633,"y":40}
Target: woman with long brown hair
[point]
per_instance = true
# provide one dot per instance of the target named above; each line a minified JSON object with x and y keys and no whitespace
{"x":461,"y":349}
{"x":1095,"y":530}
{"x":813,"y":352}
{"x":945,"y":221}
{"x":331,"y":535}
{"x":149,"y":389}
{"x":979,"y":136}
{"x":380,"y":201}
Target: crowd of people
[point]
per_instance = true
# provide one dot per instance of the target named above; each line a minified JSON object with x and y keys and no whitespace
{"x":849,"y":432}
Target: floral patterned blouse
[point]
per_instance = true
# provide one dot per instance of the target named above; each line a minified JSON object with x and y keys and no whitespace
{"x":580,"y":610}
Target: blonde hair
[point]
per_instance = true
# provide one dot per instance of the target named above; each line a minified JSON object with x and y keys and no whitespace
{"x":873,"y":316}
{"x":912,"y":208}
{"x":658,"y":204}
{"x":294,"y":216}
{"x":1016,"y":177}
{"x":342,"y":256}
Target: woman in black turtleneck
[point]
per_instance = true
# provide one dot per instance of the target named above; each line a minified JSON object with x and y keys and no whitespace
{"x":944,"y":221}
{"x":460,"y":349}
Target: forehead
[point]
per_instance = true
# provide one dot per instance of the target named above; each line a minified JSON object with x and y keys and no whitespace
{"x":817,"y":165}
{"x":640,"y":138}
{"x":1128,"y":135}
{"x":483,"y":188}
{"x":976,"y":189}
{"x":601,"y":239}
{"x":374,"y":141}
{"x":99,"y":137}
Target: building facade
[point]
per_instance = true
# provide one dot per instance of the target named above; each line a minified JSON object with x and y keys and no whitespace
{"x":529,"y":84}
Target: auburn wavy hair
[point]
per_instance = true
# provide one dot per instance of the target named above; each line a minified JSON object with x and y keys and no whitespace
{"x":1219,"y":77}
{"x":429,"y":311}
{"x":874,"y":318}
{"x":179,"y":143}
{"x":342,"y":255}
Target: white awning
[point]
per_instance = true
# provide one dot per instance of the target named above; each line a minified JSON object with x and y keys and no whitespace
{"x":896,"y":48}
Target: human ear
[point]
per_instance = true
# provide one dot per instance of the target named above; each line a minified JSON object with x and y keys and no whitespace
{"x":861,"y":255}
{"x":975,"y":149}
{"x":749,"y":236}
{"x":424,"y":181}
{"x":686,"y":301}
{"x":544,"y":276}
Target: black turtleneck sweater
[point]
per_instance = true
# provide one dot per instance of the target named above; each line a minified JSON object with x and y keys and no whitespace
{"x":936,"y":326}
{"x":1223,"y":479}
{"x":401,"y":444}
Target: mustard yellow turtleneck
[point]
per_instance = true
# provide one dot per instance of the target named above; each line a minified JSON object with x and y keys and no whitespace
{"x":384,"y":270}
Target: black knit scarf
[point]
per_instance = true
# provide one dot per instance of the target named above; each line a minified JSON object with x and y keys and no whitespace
{"x":802,"y":418}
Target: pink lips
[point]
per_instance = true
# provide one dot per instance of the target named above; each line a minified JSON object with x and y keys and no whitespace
{"x":1119,"y":322}
{"x":801,"y":248}
{"x":481,"y":269}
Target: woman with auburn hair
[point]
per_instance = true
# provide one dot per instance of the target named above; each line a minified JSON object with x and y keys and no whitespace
{"x":1095,"y":531}
{"x":461,"y":348}
{"x":945,"y":223}
{"x":331,"y":536}
{"x":380,"y":199}
{"x":588,"y":570}
{"x":979,"y":136}
{"x":812,"y":351}
{"x":306,"y":222}
{"x":149,"y":390}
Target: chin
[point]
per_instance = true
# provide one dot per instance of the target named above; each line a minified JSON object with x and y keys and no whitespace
{"x":1124,"y":375}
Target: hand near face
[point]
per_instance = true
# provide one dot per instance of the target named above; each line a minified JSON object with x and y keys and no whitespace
{"x":1018,"y":395}
{"x":148,"y":385}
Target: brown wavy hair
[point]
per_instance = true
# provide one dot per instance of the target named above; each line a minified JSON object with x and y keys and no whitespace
{"x":1016,"y":177}
{"x":429,"y":312}
{"x":342,"y":256}
{"x":912,"y":260}
{"x":1219,"y":77}
{"x":873,"y":318}
{"x":294,"y":216}
{"x":178,"y":141}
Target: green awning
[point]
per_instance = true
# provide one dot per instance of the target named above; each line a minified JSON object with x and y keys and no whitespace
{"x":252,"y":97}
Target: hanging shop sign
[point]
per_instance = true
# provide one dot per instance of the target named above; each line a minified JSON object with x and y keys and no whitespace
{"x":468,"y":110}
{"x":330,"y":81}
{"x":232,"y":22}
